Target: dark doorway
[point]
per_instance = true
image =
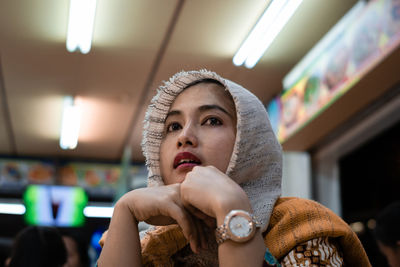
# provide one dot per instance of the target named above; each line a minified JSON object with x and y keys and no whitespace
{"x":370,"y":180}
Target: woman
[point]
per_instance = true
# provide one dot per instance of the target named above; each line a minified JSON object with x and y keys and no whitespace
{"x":214,"y":180}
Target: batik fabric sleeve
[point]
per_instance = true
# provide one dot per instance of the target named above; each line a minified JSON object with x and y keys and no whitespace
{"x":296,"y":222}
{"x":315,"y":252}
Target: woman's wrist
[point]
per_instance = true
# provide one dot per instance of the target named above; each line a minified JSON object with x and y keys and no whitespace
{"x":224,"y":208}
{"x":124,"y":204}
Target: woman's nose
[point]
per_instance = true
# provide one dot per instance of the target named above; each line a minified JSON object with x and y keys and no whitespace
{"x":187,"y":137}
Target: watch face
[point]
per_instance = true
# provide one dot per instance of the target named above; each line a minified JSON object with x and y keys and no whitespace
{"x":240,"y":226}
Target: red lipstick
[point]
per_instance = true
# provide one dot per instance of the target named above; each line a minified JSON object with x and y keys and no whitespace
{"x":186,"y":159}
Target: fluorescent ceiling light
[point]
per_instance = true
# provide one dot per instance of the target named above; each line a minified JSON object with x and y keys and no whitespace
{"x":323,"y":44}
{"x":8,"y":208}
{"x":264,"y":32}
{"x":80,"y":25}
{"x":70,"y":125}
{"x":98,"y":212}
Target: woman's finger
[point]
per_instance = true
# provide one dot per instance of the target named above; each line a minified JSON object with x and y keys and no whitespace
{"x":200,"y":220}
{"x":208,"y":220}
{"x":185,"y":221}
{"x":201,"y":233}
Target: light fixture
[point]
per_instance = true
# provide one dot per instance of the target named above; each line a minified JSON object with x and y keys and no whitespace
{"x":275,"y":16}
{"x":12,"y":208}
{"x":80,"y":25}
{"x":70,"y":124}
{"x":98,"y":212}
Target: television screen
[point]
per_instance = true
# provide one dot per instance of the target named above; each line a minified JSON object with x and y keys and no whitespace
{"x":51,"y":205}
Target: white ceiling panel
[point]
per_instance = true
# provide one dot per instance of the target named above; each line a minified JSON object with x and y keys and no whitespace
{"x":136,"y":45}
{"x":108,"y":81}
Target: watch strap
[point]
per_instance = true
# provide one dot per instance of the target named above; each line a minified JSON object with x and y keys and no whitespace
{"x":221,"y":234}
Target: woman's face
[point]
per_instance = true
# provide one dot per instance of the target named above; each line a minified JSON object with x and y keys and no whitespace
{"x":200,"y":130}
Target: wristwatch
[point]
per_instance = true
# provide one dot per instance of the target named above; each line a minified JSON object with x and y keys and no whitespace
{"x":239,"y":226}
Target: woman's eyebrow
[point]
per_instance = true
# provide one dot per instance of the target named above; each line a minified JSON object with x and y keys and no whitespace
{"x":172,"y":113}
{"x":208,"y":107}
{"x":201,"y":108}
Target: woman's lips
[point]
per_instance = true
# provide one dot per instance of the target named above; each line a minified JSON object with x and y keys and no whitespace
{"x":186,"y":160}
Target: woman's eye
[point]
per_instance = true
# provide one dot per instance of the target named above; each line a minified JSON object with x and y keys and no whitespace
{"x":173,"y":127}
{"x":212,"y":121}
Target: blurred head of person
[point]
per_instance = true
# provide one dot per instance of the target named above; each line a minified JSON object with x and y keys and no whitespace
{"x":387,"y":233}
{"x":38,"y":246}
{"x":77,"y":250}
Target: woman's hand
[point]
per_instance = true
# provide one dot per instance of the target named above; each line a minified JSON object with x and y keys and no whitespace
{"x":163,"y":206}
{"x":207,"y":192}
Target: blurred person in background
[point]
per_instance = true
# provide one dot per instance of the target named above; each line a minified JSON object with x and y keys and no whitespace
{"x":387,"y":233}
{"x":77,"y":249}
{"x":37,"y":246}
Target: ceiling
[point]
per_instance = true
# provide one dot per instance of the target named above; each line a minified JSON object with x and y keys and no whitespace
{"x":136,"y":45}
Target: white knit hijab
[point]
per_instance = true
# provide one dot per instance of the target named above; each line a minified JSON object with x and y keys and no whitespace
{"x":256,"y":162}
